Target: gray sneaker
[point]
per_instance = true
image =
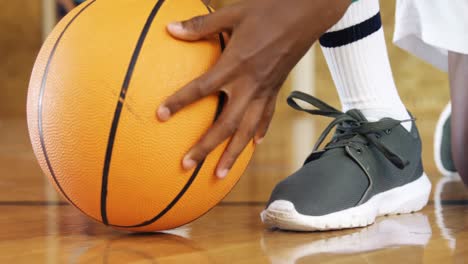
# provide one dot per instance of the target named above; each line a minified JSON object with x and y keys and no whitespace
{"x":442,"y":145}
{"x":368,"y":169}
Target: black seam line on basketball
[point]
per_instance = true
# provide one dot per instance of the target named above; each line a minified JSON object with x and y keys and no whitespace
{"x":40,"y":104}
{"x":351,"y":34}
{"x":219,"y":108}
{"x":118,"y":109}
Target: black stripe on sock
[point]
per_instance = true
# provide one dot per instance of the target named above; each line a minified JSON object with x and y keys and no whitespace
{"x":351,"y":34}
{"x":118,"y":109}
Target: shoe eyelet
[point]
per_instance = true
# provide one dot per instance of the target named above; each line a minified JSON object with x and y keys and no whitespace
{"x":388,"y":131}
{"x":359,"y":151}
{"x":378,"y":136}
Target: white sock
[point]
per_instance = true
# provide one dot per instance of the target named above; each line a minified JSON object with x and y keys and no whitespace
{"x":357,"y":57}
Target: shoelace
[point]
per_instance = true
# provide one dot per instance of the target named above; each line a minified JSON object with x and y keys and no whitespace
{"x":352,"y":129}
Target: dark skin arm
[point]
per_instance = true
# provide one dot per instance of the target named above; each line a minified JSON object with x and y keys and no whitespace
{"x":267,"y":39}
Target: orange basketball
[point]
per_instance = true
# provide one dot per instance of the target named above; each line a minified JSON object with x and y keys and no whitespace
{"x":92,"y":101}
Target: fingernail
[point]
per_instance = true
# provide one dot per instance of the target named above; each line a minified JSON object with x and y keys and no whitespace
{"x":222,"y":173}
{"x":188,"y":163}
{"x":163,"y":113}
{"x":175,"y":27}
{"x":259,"y":141}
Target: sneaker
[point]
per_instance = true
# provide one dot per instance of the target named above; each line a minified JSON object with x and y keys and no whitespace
{"x":368,"y":169}
{"x":442,"y":145}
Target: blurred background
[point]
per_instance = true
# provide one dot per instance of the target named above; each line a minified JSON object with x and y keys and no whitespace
{"x":25,"y":23}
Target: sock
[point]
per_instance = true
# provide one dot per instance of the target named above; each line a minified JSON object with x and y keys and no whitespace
{"x":357,"y":57}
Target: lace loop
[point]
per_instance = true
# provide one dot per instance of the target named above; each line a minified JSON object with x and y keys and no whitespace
{"x":323,"y":108}
{"x":352,"y":127}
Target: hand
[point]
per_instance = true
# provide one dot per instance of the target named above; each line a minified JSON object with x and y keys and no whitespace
{"x":267,"y":38}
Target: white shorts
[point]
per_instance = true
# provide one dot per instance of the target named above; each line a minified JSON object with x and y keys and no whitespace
{"x":430,"y":28}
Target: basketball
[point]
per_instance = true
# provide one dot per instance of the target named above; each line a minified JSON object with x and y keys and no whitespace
{"x":91,"y":110}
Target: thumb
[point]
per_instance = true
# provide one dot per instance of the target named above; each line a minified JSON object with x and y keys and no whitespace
{"x":200,"y":27}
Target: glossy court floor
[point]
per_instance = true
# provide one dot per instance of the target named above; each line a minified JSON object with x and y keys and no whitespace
{"x":38,"y":227}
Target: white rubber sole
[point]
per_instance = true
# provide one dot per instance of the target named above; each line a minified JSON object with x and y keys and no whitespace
{"x":408,"y":198}
{"x":439,"y":131}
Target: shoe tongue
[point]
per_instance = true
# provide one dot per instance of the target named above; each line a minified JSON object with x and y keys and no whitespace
{"x":357,"y":114}
{"x":358,"y":117}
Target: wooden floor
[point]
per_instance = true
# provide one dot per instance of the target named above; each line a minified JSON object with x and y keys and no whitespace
{"x":38,"y":227}
{"x":231,"y":233}
{"x":56,"y":233}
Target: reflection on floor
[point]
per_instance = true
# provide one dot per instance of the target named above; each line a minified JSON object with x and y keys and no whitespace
{"x":55,"y":232}
{"x":400,"y":231}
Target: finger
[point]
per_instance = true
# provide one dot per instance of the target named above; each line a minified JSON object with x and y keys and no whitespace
{"x":222,"y":129}
{"x":241,"y":138}
{"x":203,"y":86}
{"x":265,"y":121}
{"x":200,"y":27}
{"x":190,"y":93}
